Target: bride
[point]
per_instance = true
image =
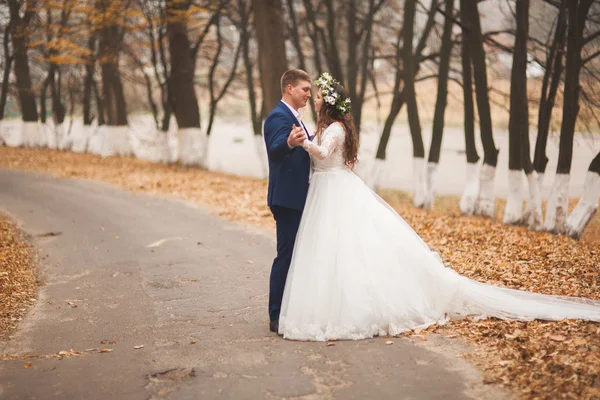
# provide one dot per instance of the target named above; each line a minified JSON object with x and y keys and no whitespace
{"x":359,"y":270}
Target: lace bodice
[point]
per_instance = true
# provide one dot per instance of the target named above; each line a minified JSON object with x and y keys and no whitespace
{"x":329,"y":155}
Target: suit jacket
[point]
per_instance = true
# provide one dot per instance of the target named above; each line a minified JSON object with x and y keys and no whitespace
{"x":289,"y":169}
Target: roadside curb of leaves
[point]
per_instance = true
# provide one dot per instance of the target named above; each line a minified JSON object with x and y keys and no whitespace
{"x":18,"y":279}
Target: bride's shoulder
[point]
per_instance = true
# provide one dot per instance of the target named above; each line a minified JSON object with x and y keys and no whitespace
{"x":335,"y":127}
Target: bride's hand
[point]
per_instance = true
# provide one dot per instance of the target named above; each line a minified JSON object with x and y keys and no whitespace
{"x":296,"y":137}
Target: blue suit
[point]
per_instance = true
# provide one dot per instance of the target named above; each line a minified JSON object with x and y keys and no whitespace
{"x":289,"y":171}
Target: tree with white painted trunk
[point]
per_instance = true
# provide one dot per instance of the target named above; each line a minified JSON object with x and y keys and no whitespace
{"x":217,"y":91}
{"x":468,"y":199}
{"x":419,"y":171}
{"x":550,"y":84}
{"x":20,"y":26}
{"x":54,"y":50}
{"x":115,"y":134}
{"x":588,"y":203}
{"x":399,"y":97}
{"x":440,"y":106}
{"x":7,"y":69}
{"x":485,"y":200}
{"x":243,"y":13}
{"x":192,"y":141}
{"x":83,"y":136}
{"x":518,"y":125}
{"x":557,"y":206}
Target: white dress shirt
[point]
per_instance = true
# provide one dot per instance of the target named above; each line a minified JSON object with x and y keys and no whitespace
{"x":298,"y":117}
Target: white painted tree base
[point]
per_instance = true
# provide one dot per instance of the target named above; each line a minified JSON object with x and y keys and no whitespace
{"x":263,"y":158}
{"x":513,"y":211}
{"x":95,"y":141}
{"x":419,"y":182}
{"x":80,"y":138}
{"x":65,"y":141}
{"x":586,"y":207}
{"x":468,"y":199}
{"x":153,"y":146}
{"x":374,"y":174}
{"x":430,"y":185}
{"x":49,"y":132}
{"x":192,"y":147}
{"x":116,"y":141}
{"x":540,"y":179}
{"x":557,"y":206}
{"x":485,"y":200}
{"x":12,"y":134}
{"x":33,"y":135}
{"x":532,"y":215}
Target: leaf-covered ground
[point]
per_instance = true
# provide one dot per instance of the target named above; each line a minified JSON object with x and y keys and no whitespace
{"x":17,"y":276}
{"x":536,"y":359}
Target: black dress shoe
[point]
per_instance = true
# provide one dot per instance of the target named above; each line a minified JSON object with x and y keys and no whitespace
{"x":274,"y":326}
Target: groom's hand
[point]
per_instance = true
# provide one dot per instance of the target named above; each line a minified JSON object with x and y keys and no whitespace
{"x":296,"y":137}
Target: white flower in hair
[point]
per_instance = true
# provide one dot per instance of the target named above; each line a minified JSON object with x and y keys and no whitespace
{"x":330,"y":100}
{"x":330,"y":96}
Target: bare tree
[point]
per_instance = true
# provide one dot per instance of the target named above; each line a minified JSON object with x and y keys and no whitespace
{"x":215,"y":94}
{"x":485,"y":200}
{"x":182,"y":91}
{"x":440,"y":105}
{"x":557,"y":206}
{"x":469,"y":197}
{"x":411,"y":104}
{"x":399,"y":97}
{"x":20,"y":26}
{"x":550,"y":83}
{"x":7,"y":68}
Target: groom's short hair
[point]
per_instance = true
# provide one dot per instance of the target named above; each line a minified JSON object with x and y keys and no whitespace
{"x":292,"y":77}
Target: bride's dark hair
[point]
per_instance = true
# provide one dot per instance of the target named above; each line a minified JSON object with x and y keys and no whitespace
{"x":330,"y":114}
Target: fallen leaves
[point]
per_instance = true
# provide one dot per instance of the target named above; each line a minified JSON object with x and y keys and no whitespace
{"x":17,"y":279}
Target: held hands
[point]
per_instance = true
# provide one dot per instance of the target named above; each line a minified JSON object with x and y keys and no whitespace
{"x":296,"y":137}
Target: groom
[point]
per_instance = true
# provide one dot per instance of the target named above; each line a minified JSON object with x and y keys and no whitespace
{"x":289,"y":167}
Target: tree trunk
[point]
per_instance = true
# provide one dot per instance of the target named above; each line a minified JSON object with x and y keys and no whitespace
{"x":551,"y":78}
{"x":192,"y":148}
{"x":470,"y":193}
{"x":557,"y":207}
{"x":485,"y":200}
{"x":400,"y":97}
{"x":8,"y":59}
{"x":112,"y":88}
{"x":588,"y":203}
{"x":518,"y":124}
{"x":268,"y":24}
{"x":440,"y":106}
{"x":19,"y":37}
{"x":296,"y":40}
{"x":419,"y":180}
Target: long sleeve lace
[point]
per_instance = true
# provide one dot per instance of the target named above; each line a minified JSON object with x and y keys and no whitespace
{"x":332,"y":137}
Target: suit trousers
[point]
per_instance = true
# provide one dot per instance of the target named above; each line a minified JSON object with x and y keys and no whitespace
{"x":287,"y":221}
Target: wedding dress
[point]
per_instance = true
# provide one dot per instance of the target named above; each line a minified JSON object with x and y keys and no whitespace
{"x":359,"y":270}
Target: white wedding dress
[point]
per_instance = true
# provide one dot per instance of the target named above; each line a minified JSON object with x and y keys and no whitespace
{"x":359,"y":270}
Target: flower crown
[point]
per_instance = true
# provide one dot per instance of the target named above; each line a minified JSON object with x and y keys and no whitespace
{"x":326,"y":82}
